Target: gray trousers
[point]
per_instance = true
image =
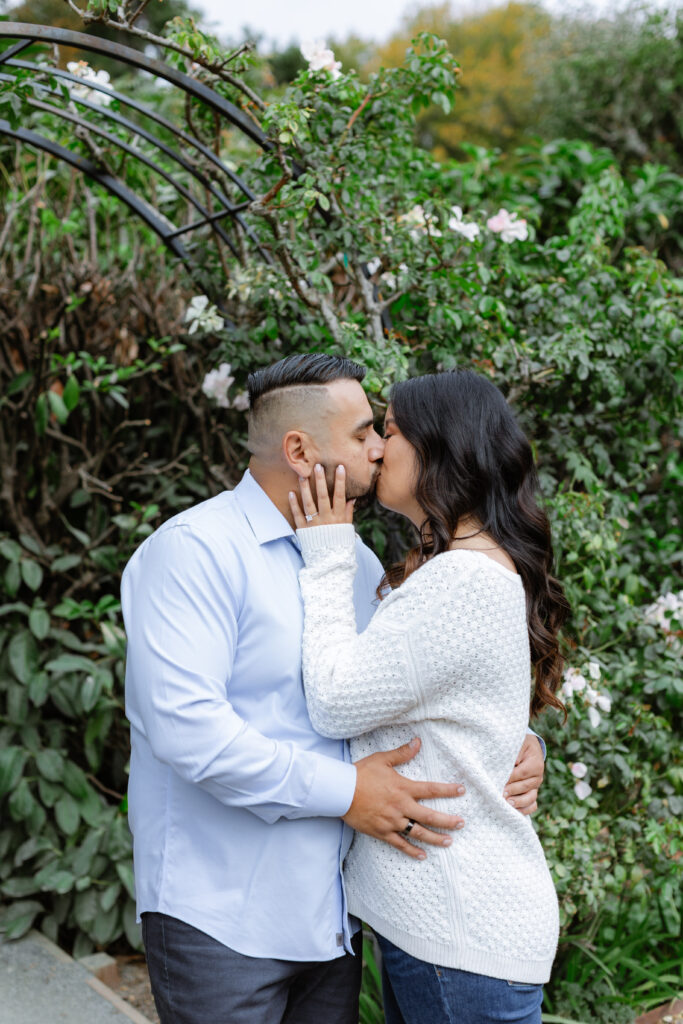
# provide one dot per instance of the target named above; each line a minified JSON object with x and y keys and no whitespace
{"x":197,"y":980}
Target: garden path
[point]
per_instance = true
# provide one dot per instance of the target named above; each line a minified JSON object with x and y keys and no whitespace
{"x":40,"y":984}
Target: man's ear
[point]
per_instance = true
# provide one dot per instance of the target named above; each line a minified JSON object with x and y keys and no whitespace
{"x":299,"y":452}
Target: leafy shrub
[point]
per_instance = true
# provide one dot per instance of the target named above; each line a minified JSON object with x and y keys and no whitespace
{"x":108,"y":428}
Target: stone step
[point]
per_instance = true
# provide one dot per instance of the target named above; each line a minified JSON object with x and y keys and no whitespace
{"x":41,"y":984}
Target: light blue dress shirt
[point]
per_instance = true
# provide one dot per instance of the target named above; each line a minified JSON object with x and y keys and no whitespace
{"x":234,"y":799}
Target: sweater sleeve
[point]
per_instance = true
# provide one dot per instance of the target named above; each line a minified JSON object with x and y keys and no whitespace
{"x":356,"y":682}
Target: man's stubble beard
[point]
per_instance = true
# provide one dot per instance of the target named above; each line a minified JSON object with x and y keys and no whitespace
{"x":363,"y":494}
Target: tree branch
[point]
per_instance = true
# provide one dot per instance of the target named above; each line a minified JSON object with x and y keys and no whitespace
{"x":215,"y":67}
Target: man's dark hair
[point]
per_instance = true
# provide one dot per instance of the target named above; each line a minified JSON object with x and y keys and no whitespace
{"x":300,"y":370}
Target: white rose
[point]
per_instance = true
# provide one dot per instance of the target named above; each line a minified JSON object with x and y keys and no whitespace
{"x":468,"y":229}
{"x":594,"y":717}
{"x":578,"y":769}
{"x":593,"y":670}
{"x":241,"y":401}
{"x":216,"y":384}
{"x":582,"y":790}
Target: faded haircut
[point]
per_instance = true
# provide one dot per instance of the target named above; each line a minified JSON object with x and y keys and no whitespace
{"x":291,"y":395}
{"x":300,"y":370}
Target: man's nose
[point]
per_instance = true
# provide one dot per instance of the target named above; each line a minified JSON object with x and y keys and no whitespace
{"x":376,"y":449}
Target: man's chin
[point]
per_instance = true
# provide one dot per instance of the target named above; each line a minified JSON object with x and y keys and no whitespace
{"x":363,"y":496}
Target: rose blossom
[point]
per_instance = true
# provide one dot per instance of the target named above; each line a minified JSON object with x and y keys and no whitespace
{"x":508,"y":226}
{"x":320,"y":57}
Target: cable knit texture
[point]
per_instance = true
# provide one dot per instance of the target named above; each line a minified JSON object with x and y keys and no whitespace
{"x":445,"y":657}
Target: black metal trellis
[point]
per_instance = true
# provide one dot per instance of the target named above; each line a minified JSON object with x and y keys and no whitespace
{"x":205,"y":216}
{"x":213,"y":218}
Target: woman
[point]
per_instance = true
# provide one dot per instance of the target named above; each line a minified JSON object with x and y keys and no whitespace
{"x":468,"y":933}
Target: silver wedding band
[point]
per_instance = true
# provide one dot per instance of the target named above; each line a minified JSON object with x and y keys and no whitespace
{"x":409,"y":827}
{"x":309,"y":517}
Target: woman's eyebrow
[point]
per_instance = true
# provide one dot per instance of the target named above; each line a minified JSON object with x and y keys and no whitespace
{"x":389,"y":423}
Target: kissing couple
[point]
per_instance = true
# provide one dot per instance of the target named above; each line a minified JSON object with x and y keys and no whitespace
{"x":316,"y":741}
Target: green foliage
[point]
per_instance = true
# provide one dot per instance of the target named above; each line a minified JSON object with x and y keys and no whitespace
{"x":615,"y":80}
{"x":106,"y":430}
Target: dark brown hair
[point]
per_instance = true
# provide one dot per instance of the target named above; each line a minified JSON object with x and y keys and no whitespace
{"x":301,"y":369}
{"x":474,"y":460}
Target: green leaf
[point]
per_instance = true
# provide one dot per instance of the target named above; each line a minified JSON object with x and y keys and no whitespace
{"x":12,"y":578}
{"x":14,"y":606}
{"x":21,"y":801}
{"x":12,"y":760}
{"x":83,"y":857}
{"x":31,"y":544}
{"x":50,"y":792}
{"x":71,"y":394}
{"x":23,"y":656}
{"x":32,"y":573}
{"x":50,"y":764}
{"x":53,"y":878}
{"x":125,"y":872}
{"x":109,"y":896}
{"x":70,"y":663}
{"x":66,"y":562}
{"x":38,"y":688}
{"x":86,"y":908}
{"x":106,"y":557}
{"x":19,"y":382}
{"x":130,"y":925}
{"x":19,"y":917}
{"x":92,"y":808}
{"x":39,"y":623}
{"x":57,"y":407}
{"x":10,"y":550}
{"x":83,"y":946}
{"x":114,"y":639}
{"x":28,"y":850}
{"x":66,"y":813}
{"x":18,"y":887}
{"x":75,"y":781}
{"x":105,"y":927}
{"x":90,"y":693}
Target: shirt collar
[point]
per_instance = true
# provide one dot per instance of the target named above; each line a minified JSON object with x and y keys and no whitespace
{"x":265,"y":519}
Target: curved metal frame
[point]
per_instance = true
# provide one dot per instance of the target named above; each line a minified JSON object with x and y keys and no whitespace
{"x":167,"y":232}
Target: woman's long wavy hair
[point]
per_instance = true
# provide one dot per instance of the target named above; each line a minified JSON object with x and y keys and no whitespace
{"x":473,"y":460}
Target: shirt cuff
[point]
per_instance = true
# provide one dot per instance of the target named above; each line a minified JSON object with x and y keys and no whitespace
{"x":321,"y":538}
{"x":540,"y":740}
{"x":333,"y":788}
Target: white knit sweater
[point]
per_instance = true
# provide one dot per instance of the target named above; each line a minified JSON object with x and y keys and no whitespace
{"x":446,"y":658}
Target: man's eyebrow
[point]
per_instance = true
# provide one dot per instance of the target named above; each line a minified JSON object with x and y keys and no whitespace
{"x":363,"y":426}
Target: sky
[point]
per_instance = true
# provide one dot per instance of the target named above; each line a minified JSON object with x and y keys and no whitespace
{"x":281,"y":21}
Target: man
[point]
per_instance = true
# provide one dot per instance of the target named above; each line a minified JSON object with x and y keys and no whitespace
{"x":237,"y":806}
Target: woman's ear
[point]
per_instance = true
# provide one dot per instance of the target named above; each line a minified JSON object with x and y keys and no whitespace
{"x":298,"y":452}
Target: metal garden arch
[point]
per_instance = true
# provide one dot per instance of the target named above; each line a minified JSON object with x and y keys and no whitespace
{"x":226,"y":197}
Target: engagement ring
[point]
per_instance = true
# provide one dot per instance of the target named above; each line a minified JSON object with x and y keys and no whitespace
{"x":308,"y":518}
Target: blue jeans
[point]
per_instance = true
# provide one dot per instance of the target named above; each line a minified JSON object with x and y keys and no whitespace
{"x":416,"y":992}
{"x":197,"y":980}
